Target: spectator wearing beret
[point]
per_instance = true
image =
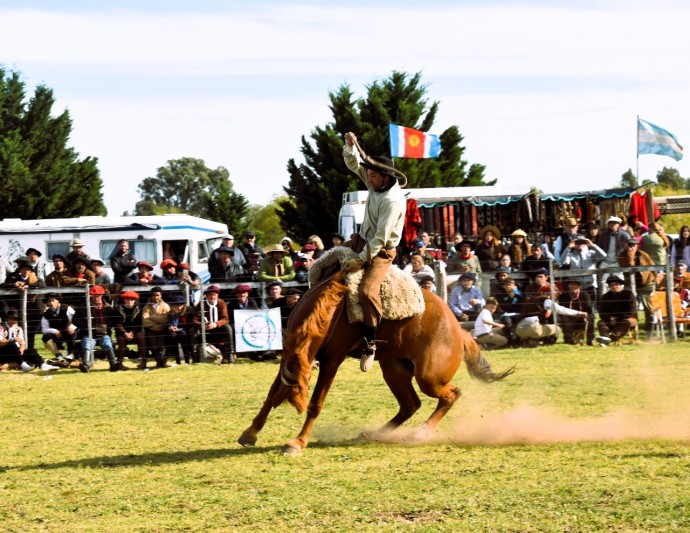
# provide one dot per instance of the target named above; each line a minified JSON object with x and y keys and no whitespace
{"x":216,"y":322}
{"x":144,"y":276}
{"x":128,"y":325}
{"x":169,"y":271}
{"x":102,"y":317}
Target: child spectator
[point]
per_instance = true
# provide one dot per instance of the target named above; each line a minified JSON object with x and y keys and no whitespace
{"x":487,"y":333}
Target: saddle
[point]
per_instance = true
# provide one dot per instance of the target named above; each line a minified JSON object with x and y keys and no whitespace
{"x":401,"y":296}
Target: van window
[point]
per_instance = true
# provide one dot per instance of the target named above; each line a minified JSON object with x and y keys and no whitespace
{"x":57,"y":247}
{"x":143,"y":250}
{"x":202,"y":252}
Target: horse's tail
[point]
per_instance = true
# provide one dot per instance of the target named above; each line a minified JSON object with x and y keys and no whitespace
{"x":478,"y":367}
{"x":301,"y":344}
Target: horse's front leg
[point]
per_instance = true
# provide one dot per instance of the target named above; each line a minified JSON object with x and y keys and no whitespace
{"x":248,"y":438}
{"x":327,"y":374}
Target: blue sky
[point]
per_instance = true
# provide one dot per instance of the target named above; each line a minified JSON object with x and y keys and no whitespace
{"x":546,"y":94}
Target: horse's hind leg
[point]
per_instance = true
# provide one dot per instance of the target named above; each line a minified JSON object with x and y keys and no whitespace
{"x":398,"y":375}
{"x":447,"y":394}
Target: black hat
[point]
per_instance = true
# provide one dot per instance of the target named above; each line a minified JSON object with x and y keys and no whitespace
{"x":249,"y":233}
{"x":293,"y":292}
{"x":424,"y":278}
{"x":468,"y":275}
{"x":615,"y":278}
{"x":274,"y":283}
{"x":59,"y":256}
{"x":80,"y":259}
{"x":226,"y":249}
{"x":632,"y":242}
{"x":39,"y":254}
{"x":50,"y":296}
{"x":383,"y":160}
{"x":538,"y":271}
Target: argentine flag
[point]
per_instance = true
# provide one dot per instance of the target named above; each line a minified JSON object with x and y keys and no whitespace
{"x":652,"y":139}
{"x":406,"y":142}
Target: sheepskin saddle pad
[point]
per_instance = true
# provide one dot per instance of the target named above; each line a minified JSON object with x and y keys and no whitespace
{"x":401,"y":296}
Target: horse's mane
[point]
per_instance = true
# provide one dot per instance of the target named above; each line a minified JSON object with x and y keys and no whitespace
{"x":303,"y":340}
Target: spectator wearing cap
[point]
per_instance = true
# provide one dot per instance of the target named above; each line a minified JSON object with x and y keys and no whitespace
{"x":645,"y":281}
{"x":60,"y":276}
{"x":570,"y":229}
{"x":489,"y":250}
{"x":102,"y":317}
{"x":122,"y":261}
{"x":225,"y":271}
{"x":128,"y":325}
{"x":519,"y":249}
{"x":274,"y":290}
{"x":277,"y":266}
{"x":580,"y":328}
{"x":617,"y":311}
{"x":465,"y":260}
{"x":237,"y":257}
{"x":144,"y":276}
{"x":655,"y":244}
{"x":154,"y":318}
{"x":286,"y":304}
{"x":37,"y":266}
{"x":304,"y":263}
{"x":82,"y":271}
{"x":216,"y":322}
{"x":58,"y":328}
{"x":102,"y":277}
{"x":583,"y":254}
{"x":250,"y":245}
{"x":179,"y":329}
{"x":420,"y":248}
{"x":417,"y":268}
{"x":466,"y":300}
{"x":318,"y":245}
{"x":77,"y":253}
{"x":612,"y":240}
{"x":169,"y":272}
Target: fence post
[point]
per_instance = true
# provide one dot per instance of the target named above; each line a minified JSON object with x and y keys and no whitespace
{"x":669,"y":303}
{"x":88,"y":354}
{"x":202,"y":301}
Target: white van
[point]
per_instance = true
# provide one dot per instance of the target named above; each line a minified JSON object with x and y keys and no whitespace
{"x":185,"y":238}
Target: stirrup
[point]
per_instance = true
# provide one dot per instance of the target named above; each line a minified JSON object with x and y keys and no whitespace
{"x":368,"y":355}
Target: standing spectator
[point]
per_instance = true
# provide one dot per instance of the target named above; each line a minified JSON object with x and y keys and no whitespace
{"x":82,"y":271}
{"x":655,"y":244}
{"x":489,"y":250}
{"x":454,"y":246}
{"x":101,"y":321}
{"x":569,"y":233}
{"x":487,"y":333}
{"x":303,"y":265}
{"x":612,"y":241}
{"x":680,"y":249}
{"x":154,"y":318}
{"x":617,"y":311}
{"x":583,"y":254}
{"x":77,"y":253}
{"x":317,"y":243}
{"x":216,"y":322}
{"x":519,"y":249}
{"x":645,"y":281}
{"x":420,"y":248}
{"x":466,"y":300}
{"x":225,"y":271}
{"x":276,"y":265}
{"x":57,"y":327}
{"x":37,"y":266}
{"x":237,"y":256}
{"x":102,"y":277}
{"x":128,"y":325}
{"x":538,"y":260}
{"x":122,"y":261}
{"x":592,"y":232}
{"x":250,"y":245}
{"x":577,"y":329}
{"x":60,"y":277}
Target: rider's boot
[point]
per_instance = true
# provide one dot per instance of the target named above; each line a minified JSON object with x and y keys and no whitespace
{"x":369,"y":349}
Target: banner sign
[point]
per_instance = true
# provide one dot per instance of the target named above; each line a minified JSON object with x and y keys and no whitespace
{"x":258,"y":330}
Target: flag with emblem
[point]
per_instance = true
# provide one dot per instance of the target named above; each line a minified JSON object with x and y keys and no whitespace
{"x":406,"y":142}
{"x":652,"y":139}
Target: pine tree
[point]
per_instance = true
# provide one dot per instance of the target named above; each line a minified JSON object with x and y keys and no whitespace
{"x":316,"y":187}
{"x":40,"y":175}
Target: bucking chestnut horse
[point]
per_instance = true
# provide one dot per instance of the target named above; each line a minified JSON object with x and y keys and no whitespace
{"x":428,"y":347}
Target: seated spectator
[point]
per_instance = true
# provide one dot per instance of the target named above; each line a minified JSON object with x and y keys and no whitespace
{"x":337,"y":240}
{"x":535,"y":323}
{"x":185,"y":275}
{"x":496,"y":284}
{"x":128,"y":326}
{"x":487,"y":333}
{"x":225,"y":271}
{"x":22,"y":279}
{"x":417,"y":268}
{"x":60,"y":277}
{"x":253,"y":266}
{"x":216,"y":323}
{"x":465,"y":260}
{"x":102,"y":277}
{"x":580,"y":328}
{"x":144,"y":276}
{"x":169,"y":272}
{"x":286,"y":304}
{"x":154,"y":318}
{"x":77,"y":253}
{"x":427,"y":282}
{"x":510,"y":307}
{"x":12,"y":348}
{"x":179,"y":329}
{"x":453,"y":247}
{"x":317,"y":243}
{"x":645,"y":281}
{"x":81,"y":270}
{"x":466,"y":300}
{"x":276,"y":266}
{"x":617,"y":311}
{"x":101,"y":321}
{"x":507,"y":262}
{"x":38,"y":267}
{"x":274,"y":291}
{"x":59,"y":330}
{"x":227,"y":241}
{"x":538,"y":260}
{"x":122,"y":261}
{"x":290,"y":251}
{"x":489,"y":250}
{"x":519,"y":249}
{"x":250,"y":245}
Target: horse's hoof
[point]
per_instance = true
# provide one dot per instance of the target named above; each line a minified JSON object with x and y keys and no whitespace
{"x":245,"y":440}
{"x":291,"y":450}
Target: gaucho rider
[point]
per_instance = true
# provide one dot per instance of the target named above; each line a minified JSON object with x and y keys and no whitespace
{"x":380,"y":233}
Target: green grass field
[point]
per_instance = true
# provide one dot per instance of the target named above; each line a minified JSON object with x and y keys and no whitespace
{"x":578,"y":439}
